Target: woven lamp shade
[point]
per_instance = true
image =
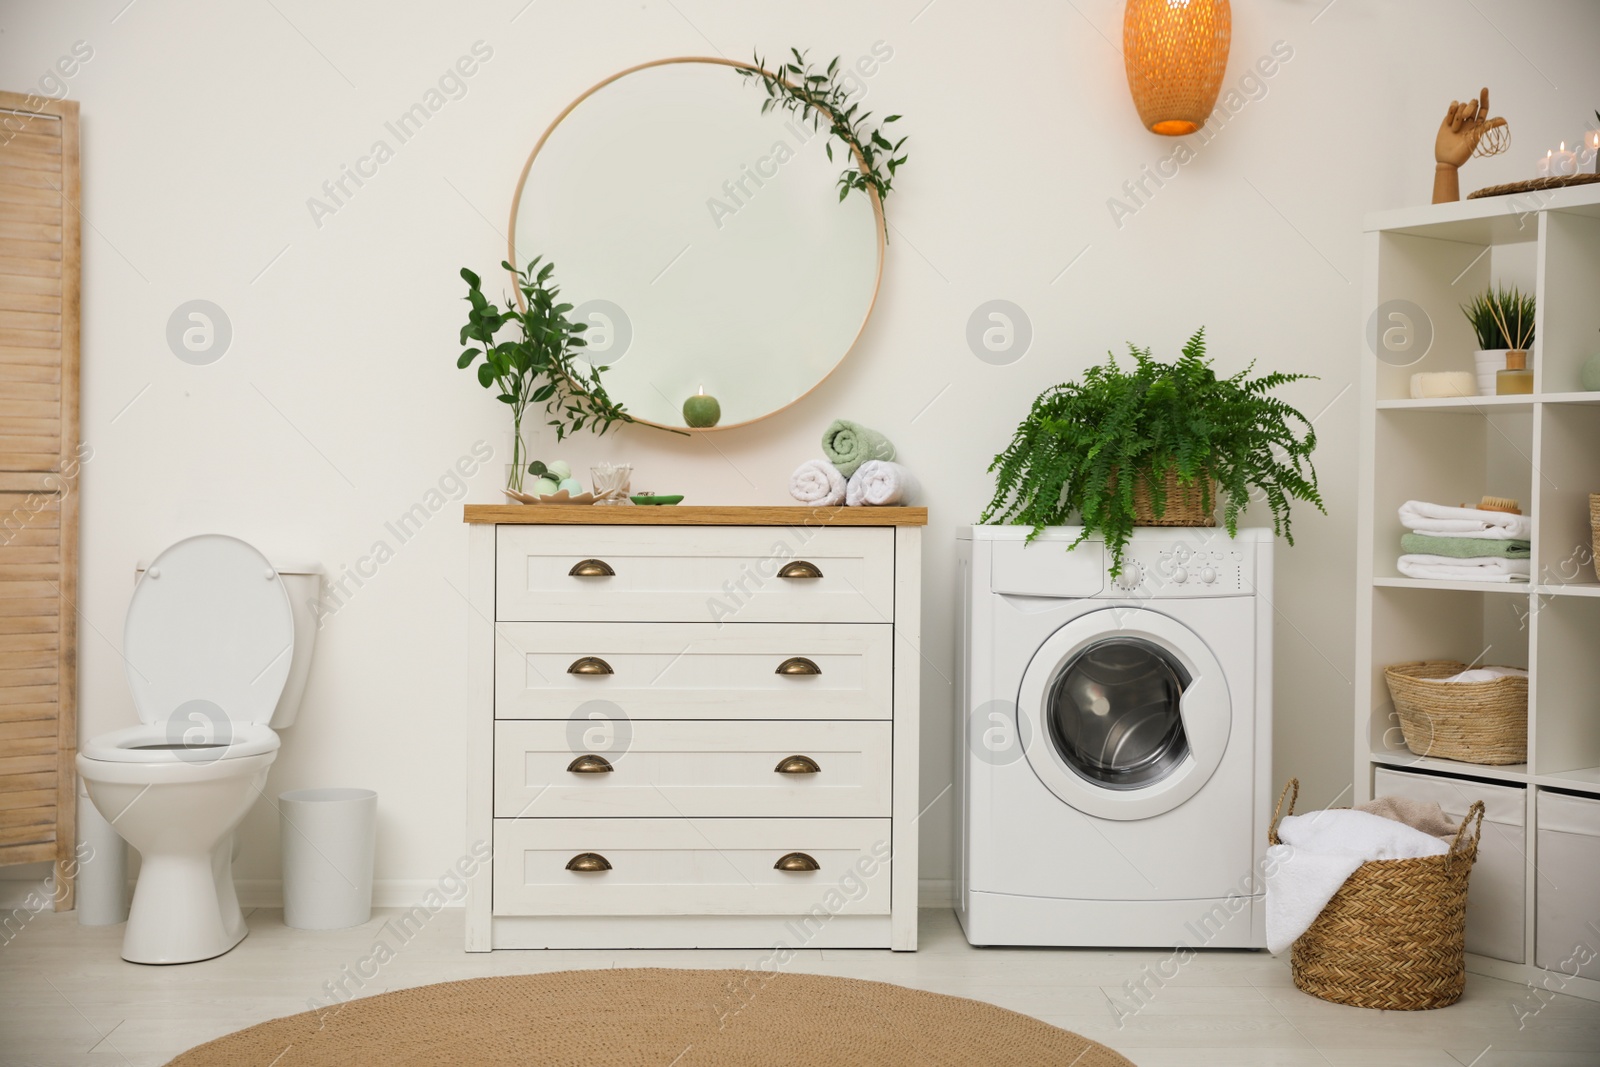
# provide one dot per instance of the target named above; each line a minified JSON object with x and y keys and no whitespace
{"x":1176,"y":52}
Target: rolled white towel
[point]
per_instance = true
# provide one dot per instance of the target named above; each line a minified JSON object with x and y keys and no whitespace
{"x":1437,"y":520}
{"x":817,"y":482}
{"x":1472,"y":569}
{"x":880,"y":483}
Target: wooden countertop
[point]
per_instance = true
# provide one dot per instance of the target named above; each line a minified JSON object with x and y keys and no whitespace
{"x":678,"y":515}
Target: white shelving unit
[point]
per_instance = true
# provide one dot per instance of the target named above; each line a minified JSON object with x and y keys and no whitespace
{"x":1543,"y":449}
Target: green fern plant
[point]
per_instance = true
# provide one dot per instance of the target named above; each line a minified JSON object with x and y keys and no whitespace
{"x":1084,"y":446}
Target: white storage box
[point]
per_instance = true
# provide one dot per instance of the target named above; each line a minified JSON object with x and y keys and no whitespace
{"x":1497,"y":891}
{"x":1569,"y":885}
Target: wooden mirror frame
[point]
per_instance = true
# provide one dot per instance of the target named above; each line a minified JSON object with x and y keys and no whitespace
{"x":877,"y":213}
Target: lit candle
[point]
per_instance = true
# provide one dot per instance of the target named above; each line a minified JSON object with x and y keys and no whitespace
{"x":701,"y":411}
{"x":1564,"y":162}
{"x":1544,"y":163}
{"x":1590,"y":156}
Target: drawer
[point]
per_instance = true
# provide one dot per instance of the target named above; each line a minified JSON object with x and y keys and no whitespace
{"x":694,"y":574}
{"x":690,"y":867}
{"x":692,"y":671}
{"x":666,"y":768}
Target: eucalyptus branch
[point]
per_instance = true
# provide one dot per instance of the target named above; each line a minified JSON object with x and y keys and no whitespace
{"x":797,"y":87}
{"x":541,"y":366}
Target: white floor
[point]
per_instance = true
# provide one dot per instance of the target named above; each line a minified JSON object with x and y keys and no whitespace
{"x":67,"y":998}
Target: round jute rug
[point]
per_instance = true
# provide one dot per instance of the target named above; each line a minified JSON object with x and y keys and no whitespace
{"x":659,"y":1017}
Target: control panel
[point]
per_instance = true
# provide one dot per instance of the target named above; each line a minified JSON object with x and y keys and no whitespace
{"x":1213,"y":565}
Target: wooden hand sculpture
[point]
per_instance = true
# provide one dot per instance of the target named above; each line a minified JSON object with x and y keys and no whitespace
{"x":1463,"y":127}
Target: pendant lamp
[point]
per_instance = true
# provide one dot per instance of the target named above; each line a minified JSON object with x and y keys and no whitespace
{"x":1176,"y":52}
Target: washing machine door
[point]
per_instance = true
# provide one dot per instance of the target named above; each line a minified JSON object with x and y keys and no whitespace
{"x":1124,"y":713}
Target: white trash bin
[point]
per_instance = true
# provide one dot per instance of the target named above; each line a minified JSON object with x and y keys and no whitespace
{"x":328,"y":839}
{"x":102,"y":883}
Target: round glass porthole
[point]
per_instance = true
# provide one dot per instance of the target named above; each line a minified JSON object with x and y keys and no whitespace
{"x":1113,"y":713}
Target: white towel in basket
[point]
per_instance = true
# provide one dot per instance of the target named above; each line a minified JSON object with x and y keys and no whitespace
{"x":1319,"y":851}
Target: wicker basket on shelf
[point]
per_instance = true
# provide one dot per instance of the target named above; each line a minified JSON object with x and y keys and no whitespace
{"x":1475,"y":722}
{"x":1185,"y":504}
{"x":1594,"y":529}
{"x":1393,"y":937}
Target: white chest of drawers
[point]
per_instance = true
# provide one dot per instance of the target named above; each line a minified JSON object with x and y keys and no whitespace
{"x":694,"y":727}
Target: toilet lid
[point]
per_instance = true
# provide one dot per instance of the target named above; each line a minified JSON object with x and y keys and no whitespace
{"x":209,"y":636}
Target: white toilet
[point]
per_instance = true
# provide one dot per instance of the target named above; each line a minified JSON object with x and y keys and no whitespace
{"x":217,"y":645}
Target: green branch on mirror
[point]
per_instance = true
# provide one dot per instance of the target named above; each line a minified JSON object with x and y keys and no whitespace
{"x":1085,"y":446}
{"x":541,"y":365}
{"x":1501,"y":318}
{"x":795,"y":86}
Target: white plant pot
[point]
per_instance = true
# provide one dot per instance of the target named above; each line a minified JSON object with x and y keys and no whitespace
{"x":1489,"y":362}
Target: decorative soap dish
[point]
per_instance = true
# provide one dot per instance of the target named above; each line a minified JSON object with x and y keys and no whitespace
{"x":655,"y":498}
{"x":562,"y":497}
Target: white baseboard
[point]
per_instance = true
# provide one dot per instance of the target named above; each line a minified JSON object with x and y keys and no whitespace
{"x":404,"y":892}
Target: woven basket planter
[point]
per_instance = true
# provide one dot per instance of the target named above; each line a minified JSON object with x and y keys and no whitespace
{"x":1185,"y":504}
{"x":1393,"y":936}
{"x":1475,"y":722}
{"x":1594,"y":529}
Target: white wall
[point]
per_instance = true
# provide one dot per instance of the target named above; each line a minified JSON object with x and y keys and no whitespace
{"x":207,"y":127}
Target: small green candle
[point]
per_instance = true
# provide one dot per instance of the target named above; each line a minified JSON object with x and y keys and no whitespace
{"x":701,"y":411}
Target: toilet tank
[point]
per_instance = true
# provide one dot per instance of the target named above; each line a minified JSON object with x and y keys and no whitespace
{"x":304,"y":582}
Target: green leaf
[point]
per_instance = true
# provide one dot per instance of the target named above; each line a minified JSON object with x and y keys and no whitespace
{"x":538,"y":469}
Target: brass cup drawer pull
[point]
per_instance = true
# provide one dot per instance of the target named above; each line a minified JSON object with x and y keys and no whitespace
{"x":797,"y":665}
{"x":796,"y":765}
{"x":591,"y":568}
{"x":588,"y":862}
{"x":800,"y":569}
{"x":796,"y":861}
{"x":590,"y":665}
{"x":590,"y":764}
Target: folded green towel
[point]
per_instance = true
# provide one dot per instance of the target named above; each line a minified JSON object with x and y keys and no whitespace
{"x":1464,"y":547}
{"x":849,"y":444}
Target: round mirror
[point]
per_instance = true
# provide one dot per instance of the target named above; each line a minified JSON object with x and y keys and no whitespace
{"x":703,"y":241}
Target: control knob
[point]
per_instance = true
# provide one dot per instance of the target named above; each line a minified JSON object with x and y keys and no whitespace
{"x":1130,"y":576}
{"x":1208,"y":575}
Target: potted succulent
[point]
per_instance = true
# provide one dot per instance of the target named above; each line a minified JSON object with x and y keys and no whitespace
{"x":1155,"y":444}
{"x":1502,"y":319}
{"x":540,"y":366}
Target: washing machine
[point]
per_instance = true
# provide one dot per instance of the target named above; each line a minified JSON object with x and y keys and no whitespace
{"x":1115,"y":738}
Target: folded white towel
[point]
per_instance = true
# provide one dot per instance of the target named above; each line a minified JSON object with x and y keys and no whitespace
{"x":1471,"y":569}
{"x":1319,"y":851}
{"x":1437,"y":520}
{"x":817,"y":482}
{"x":1486,"y":674}
{"x":880,"y":483}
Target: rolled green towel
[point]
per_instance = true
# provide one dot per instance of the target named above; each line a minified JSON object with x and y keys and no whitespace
{"x":1464,"y":547}
{"x":849,"y":444}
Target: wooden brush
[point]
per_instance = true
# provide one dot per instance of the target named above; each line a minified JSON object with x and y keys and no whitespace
{"x":1499,"y":503}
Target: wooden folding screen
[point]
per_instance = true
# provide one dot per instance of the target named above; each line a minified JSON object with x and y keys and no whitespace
{"x":39,"y":461}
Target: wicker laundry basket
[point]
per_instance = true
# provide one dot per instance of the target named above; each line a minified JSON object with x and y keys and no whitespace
{"x":1185,"y":504}
{"x":1475,"y":722}
{"x":1393,"y":936}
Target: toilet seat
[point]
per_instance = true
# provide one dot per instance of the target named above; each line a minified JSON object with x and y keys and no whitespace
{"x":158,"y":743}
{"x":209,"y":637}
